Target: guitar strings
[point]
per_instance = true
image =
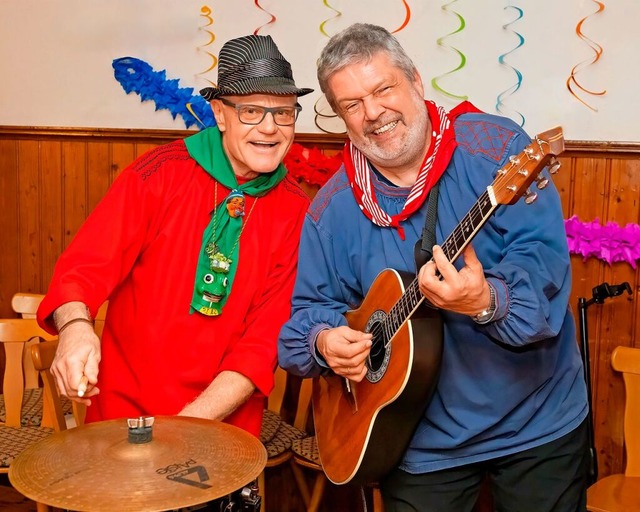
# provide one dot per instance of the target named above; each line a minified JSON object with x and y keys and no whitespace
{"x":451,"y":247}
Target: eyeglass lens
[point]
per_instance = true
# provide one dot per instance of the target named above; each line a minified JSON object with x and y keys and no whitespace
{"x":254,"y":114}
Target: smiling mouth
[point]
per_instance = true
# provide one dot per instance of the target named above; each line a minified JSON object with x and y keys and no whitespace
{"x":265,"y":144}
{"x":385,"y":128}
{"x":211,"y":298}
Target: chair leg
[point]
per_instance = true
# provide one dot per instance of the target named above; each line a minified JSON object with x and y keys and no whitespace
{"x":301,"y":482}
{"x":318,"y":492}
{"x":378,"y":504}
{"x":262,"y":489}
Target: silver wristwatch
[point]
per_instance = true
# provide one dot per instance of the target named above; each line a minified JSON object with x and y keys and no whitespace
{"x":484,"y":317}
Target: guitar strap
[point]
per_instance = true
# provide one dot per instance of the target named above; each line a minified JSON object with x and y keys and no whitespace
{"x":423,"y":250}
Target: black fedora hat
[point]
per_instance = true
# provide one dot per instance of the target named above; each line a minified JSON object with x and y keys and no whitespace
{"x":252,"y":65}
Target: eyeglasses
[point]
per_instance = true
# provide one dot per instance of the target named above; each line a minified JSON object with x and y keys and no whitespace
{"x":254,"y":114}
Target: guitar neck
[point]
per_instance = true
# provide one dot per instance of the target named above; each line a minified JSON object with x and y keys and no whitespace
{"x":453,"y":246}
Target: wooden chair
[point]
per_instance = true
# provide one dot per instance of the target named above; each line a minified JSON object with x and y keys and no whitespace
{"x":621,"y":492}
{"x":306,"y":455}
{"x":26,"y":305}
{"x":277,"y":434}
{"x":15,"y":435}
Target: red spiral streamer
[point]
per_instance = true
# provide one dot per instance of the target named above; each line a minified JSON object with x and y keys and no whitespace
{"x":271,"y":20}
{"x":597,"y":49}
{"x":407,"y":17}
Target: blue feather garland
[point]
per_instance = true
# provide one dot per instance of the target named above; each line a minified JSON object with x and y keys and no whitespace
{"x":135,"y":75}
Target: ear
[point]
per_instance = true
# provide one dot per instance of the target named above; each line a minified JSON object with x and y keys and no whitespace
{"x":218,"y":113}
{"x":417,"y":83}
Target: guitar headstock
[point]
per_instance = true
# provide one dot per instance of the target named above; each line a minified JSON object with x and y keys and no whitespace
{"x":513,"y":179}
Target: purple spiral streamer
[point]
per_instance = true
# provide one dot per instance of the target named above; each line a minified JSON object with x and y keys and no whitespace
{"x":500,"y":105}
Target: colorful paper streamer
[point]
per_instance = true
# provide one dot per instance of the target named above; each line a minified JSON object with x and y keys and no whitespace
{"x":407,"y":17}
{"x":500,"y":105}
{"x":323,"y":113}
{"x":609,"y":242}
{"x":205,"y":12}
{"x":336,"y":15}
{"x":597,"y":49}
{"x":137,"y":76}
{"x":463,"y":59}
{"x":272,"y":18}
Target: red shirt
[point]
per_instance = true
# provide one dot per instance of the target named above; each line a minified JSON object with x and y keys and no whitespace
{"x":139,"y":249}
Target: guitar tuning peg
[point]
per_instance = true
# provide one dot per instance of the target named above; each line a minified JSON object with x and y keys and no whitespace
{"x":530,"y":197}
{"x":554,"y":165}
{"x":542,"y":181}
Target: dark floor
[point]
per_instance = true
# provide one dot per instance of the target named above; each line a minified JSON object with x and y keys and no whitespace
{"x":11,"y":500}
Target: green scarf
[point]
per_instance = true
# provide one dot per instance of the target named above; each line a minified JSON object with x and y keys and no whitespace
{"x":218,"y":259}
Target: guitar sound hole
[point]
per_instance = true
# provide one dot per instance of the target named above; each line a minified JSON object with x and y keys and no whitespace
{"x":376,"y":356}
{"x":380,"y":347}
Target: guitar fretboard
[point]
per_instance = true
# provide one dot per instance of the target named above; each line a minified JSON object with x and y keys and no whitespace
{"x":470,"y":224}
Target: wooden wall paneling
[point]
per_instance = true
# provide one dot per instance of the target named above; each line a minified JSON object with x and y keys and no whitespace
{"x":563,"y":180}
{"x":74,"y":187}
{"x":122,"y":154}
{"x":10,"y":252}
{"x":29,"y":215}
{"x":616,"y":325}
{"x":51,"y":227}
{"x":142,"y":148}
{"x":76,"y":166}
{"x":99,"y":172}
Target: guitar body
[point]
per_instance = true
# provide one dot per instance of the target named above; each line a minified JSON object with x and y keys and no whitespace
{"x":364,"y":428}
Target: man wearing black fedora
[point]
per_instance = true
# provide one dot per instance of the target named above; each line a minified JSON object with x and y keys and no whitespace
{"x":195,"y":248}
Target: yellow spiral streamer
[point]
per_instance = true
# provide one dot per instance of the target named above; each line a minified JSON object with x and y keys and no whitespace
{"x":205,"y":12}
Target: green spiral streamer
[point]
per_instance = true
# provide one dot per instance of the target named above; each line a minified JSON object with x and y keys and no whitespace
{"x":463,"y":59}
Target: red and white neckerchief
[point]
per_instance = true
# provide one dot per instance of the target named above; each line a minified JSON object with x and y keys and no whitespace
{"x":438,"y":155}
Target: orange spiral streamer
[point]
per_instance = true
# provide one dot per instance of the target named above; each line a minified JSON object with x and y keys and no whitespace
{"x":597,"y":49}
{"x":272,"y":18}
{"x":205,"y":12}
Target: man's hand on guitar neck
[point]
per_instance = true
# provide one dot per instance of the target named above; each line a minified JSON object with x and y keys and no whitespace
{"x":465,"y":291}
{"x":345,"y":351}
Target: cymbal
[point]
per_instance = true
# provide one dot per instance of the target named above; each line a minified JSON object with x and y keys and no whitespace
{"x":188,"y":461}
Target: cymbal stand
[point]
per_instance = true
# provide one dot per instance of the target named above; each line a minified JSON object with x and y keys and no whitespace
{"x":599,"y":294}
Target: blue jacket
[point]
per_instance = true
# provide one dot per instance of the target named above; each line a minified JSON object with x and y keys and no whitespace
{"x":512,"y":384}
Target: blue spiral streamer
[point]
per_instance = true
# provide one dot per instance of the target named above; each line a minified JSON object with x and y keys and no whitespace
{"x":137,"y":76}
{"x":500,"y":105}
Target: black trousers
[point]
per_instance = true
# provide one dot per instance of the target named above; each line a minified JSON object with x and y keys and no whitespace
{"x":548,"y":478}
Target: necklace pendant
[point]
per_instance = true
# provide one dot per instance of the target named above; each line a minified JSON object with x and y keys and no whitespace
{"x":219,"y":263}
{"x":235,"y":203}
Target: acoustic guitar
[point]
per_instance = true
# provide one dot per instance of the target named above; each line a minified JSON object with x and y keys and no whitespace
{"x":363,"y":429}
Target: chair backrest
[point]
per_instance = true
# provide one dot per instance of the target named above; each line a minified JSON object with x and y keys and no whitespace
{"x":26,"y":305}
{"x":627,"y":361}
{"x":279,"y":394}
{"x":15,"y":334}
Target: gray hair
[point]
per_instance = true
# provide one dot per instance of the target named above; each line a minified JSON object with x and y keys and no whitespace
{"x":360,"y":43}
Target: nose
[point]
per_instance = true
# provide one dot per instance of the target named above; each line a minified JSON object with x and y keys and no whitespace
{"x":268,"y":124}
{"x":373,"y":109}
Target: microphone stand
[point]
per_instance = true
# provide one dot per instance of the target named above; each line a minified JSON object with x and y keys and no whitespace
{"x":600,"y":294}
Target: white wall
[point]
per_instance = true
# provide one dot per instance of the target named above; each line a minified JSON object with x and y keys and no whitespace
{"x":56,"y":56}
